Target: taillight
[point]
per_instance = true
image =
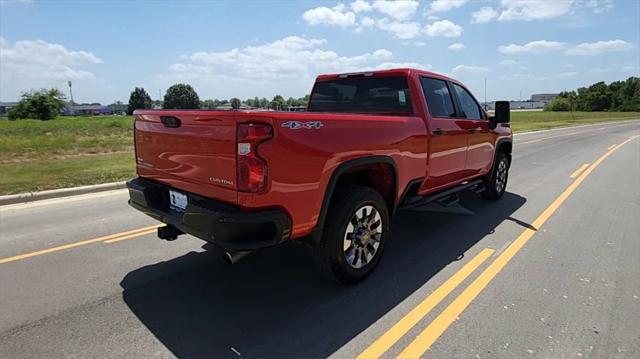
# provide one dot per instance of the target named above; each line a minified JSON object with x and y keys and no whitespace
{"x":252,"y":169}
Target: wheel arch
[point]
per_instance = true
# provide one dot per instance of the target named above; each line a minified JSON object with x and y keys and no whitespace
{"x":505,"y":146}
{"x":348,"y":171}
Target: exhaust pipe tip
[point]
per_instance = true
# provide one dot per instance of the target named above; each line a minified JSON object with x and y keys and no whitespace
{"x":233,"y":257}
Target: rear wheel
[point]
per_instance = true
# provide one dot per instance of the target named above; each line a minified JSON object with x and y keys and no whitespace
{"x":496,"y":181}
{"x":353,"y":240}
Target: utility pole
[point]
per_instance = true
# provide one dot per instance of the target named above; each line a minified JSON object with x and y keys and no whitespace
{"x":71,"y":95}
{"x":485,"y":93}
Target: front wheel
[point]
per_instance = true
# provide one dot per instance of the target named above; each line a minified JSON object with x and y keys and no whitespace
{"x":353,"y":240}
{"x":496,"y":181}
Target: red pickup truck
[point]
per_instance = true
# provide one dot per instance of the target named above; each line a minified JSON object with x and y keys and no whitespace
{"x":369,"y":144}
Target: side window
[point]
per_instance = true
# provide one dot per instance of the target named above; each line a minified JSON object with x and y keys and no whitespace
{"x":468,"y":105}
{"x":438,"y":97}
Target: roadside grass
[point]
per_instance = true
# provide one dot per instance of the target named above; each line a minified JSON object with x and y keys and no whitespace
{"x":522,"y":121}
{"x":39,"y":175}
{"x":65,"y":136}
{"x":74,"y":151}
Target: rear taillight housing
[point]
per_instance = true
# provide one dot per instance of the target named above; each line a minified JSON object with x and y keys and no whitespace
{"x":252,"y":169}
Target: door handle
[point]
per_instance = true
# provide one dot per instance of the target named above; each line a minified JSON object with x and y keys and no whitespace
{"x":438,"y":132}
{"x":475,"y":130}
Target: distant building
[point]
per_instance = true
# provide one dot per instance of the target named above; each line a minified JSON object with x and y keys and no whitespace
{"x":543,"y":97}
{"x":83,"y":110}
{"x":5,"y":107}
{"x":115,"y":109}
{"x":297,"y":108}
{"x":518,"y":105}
{"x":228,"y":107}
{"x":537,"y":101}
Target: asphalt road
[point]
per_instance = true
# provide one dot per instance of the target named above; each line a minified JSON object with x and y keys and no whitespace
{"x":550,"y":271}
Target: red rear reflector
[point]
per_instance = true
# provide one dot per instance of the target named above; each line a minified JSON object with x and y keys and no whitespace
{"x":250,"y":132}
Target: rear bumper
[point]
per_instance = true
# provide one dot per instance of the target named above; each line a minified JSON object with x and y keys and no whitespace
{"x":211,"y":220}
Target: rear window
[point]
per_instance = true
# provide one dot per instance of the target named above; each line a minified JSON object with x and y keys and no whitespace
{"x":384,"y":95}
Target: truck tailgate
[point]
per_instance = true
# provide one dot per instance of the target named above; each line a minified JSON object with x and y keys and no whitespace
{"x":194,"y":151}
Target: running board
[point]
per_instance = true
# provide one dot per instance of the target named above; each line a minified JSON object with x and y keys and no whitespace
{"x":445,"y":198}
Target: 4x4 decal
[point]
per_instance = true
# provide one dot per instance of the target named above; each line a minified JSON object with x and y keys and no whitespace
{"x":310,"y":125}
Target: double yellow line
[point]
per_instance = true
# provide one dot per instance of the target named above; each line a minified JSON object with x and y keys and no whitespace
{"x":423,"y":341}
{"x":112,"y":238}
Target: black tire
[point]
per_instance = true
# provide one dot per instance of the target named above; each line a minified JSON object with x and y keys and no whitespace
{"x":330,"y":255}
{"x":495,"y":182}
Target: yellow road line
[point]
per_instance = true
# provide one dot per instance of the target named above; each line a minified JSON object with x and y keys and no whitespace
{"x":391,"y":336}
{"x":135,"y":235}
{"x":577,"y":172}
{"x":134,"y":232}
{"x":433,"y":331}
{"x":612,"y":146}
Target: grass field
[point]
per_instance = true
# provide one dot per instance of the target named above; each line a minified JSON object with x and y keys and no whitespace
{"x":522,"y":121}
{"x":65,"y":152}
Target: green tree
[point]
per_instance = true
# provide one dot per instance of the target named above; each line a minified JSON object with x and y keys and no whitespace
{"x":235,"y":103}
{"x":208,"y":104}
{"x":558,"y":104}
{"x":278,"y":103}
{"x":264,"y":103}
{"x":43,"y":105}
{"x":139,"y":99}
{"x":181,"y":97}
{"x":617,"y":96}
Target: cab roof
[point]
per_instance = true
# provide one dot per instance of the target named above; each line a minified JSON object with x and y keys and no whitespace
{"x":391,"y":72}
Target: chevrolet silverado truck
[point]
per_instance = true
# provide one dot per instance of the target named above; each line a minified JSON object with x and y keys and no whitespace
{"x":332,"y":177}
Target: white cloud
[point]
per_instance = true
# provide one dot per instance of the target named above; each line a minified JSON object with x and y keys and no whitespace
{"x":445,"y":5}
{"x":533,"y":47}
{"x":528,"y":10}
{"x":2,"y":2}
{"x":509,"y":62}
{"x":399,"y":10}
{"x":34,"y":64}
{"x":360,"y":6}
{"x":444,"y":28}
{"x":600,"y":70}
{"x":485,"y":14}
{"x":634,"y":69}
{"x":401,"y":30}
{"x":599,"y":6}
{"x":567,"y":74}
{"x":455,"y":47}
{"x":41,"y":60}
{"x":335,"y":16}
{"x":261,"y":70}
{"x":381,"y":54}
{"x":398,"y":65}
{"x":599,"y":47}
{"x":472,"y":70}
{"x":367,"y":22}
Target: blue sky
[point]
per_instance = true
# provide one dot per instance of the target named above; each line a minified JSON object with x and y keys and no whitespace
{"x":263,"y":48}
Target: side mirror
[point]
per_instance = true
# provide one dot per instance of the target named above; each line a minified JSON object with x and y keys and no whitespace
{"x":502,"y":114}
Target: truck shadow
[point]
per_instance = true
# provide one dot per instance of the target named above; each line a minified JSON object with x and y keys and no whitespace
{"x":272,"y":304}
